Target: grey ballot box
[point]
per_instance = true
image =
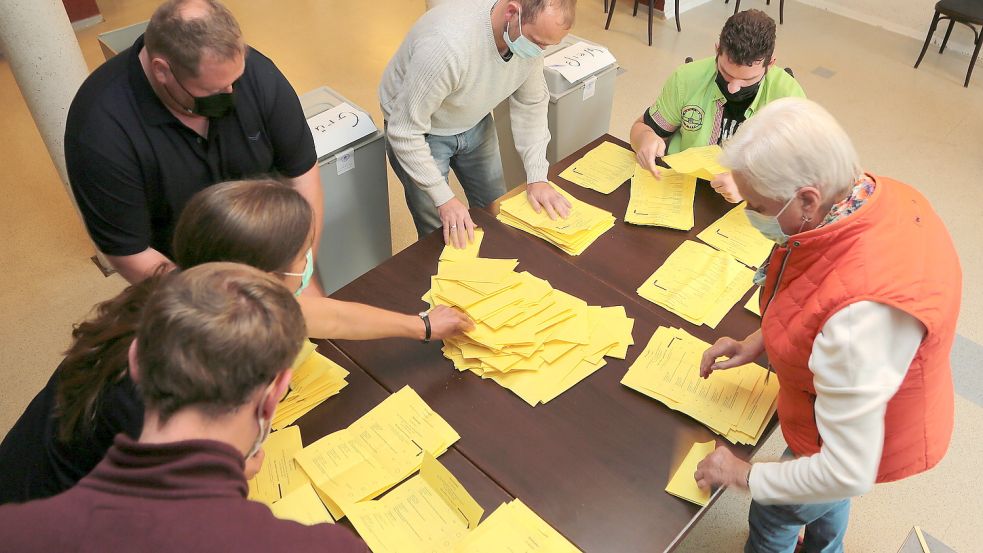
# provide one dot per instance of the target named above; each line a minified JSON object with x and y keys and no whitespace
{"x":573,"y":120}
{"x":356,"y":235}
{"x":117,"y":40}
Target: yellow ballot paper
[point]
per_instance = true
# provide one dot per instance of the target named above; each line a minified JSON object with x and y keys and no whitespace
{"x":682,"y":484}
{"x":754,"y":304}
{"x":701,"y":162}
{"x":302,"y":505}
{"x":376,"y":452}
{"x":515,"y":528}
{"x":572,"y":234}
{"x":604,"y":168}
{"x":279,"y":475}
{"x":469,"y":251}
{"x":698,"y":283}
{"x":734,"y":234}
{"x":735,"y":403}
{"x":316,"y":378}
{"x":430,"y":512}
{"x":666,"y":201}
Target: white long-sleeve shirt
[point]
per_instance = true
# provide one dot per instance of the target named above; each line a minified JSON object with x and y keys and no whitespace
{"x":858,"y":361}
{"x":446,"y":76}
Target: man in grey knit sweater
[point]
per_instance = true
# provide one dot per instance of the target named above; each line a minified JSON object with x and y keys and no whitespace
{"x":457,"y":63}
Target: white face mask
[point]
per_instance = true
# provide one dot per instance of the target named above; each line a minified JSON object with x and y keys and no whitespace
{"x":768,"y":225}
{"x":265,"y":426}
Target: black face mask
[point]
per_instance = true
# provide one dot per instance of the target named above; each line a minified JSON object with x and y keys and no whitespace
{"x":745,"y":93}
{"x":214,"y":106}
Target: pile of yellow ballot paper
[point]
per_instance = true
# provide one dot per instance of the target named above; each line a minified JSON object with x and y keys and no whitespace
{"x":376,"y":452}
{"x":281,"y":485}
{"x":700,"y":162}
{"x":666,"y":201}
{"x":698,"y":283}
{"x":316,"y":378}
{"x":734,"y":234}
{"x":529,"y":337}
{"x":735,"y":403}
{"x":572,"y":235}
{"x":433,"y":513}
{"x":604,"y":168}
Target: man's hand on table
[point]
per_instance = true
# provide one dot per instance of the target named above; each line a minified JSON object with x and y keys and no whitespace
{"x":542,"y":196}
{"x":457,"y":223}
{"x":447,"y":321}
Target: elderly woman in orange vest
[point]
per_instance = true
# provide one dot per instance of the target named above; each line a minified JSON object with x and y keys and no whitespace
{"x":860,"y":299}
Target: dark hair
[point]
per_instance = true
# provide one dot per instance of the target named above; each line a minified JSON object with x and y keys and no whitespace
{"x":181,"y":31}
{"x":748,"y":37}
{"x":260,"y":223}
{"x":212,"y":335}
{"x":97,"y":358}
{"x":532,"y":8}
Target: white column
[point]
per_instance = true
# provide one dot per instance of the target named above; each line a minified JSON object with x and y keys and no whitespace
{"x":47,"y":63}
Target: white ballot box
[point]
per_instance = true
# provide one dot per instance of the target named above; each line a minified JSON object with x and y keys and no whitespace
{"x":580,"y":76}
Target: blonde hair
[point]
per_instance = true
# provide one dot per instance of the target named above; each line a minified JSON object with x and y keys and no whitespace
{"x":792,"y":143}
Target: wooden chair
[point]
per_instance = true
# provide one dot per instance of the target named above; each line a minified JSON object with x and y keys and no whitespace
{"x":651,"y":5}
{"x":781,"y":8}
{"x":966,"y":12}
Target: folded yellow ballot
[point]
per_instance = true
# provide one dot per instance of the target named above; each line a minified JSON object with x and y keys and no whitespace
{"x":302,"y":505}
{"x":376,"y":452}
{"x":736,"y":403}
{"x":604,"y":168}
{"x":666,"y":201}
{"x":683,"y":484}
{"x":279,"y":474}
{"x":754,"y":304}
{"x":316,"y":378}
{"x":701,"y":162}
{"x":428,"y":513}
{"x":572,"y":234}
{"x":698,"y":283}
{"x":469,"y":251}
{"x":734,"y":234}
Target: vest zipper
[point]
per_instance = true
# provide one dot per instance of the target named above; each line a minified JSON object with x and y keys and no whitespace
{"x":774,"y":292}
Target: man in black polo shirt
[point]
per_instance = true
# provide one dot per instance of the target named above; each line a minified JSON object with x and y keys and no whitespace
{"x":187,"y":106}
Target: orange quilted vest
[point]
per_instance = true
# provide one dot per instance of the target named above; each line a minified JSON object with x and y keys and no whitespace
{"x":893,"y":250}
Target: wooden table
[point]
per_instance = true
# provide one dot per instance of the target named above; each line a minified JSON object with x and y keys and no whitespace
{"x":594,"y":462}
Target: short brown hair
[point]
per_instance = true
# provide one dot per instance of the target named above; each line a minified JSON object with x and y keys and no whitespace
{"x":532,"y":8}
{"x":748,"y":37}
{"x":182,"y":38}
{"x":211,"y":336}
{"x":261,"y":223}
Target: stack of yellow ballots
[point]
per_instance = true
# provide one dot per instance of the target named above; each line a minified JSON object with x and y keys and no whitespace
{"x":584,"y":224}
{"x":666,"y":201}
{"x":700,"y":162}
{"x":603,"y":169}
{"x":529,"y":337}
{"x":316,"y":378}
{"x":433,"y":513}
{"x":698,"y":283}
{"x":735,"y":403}
{"x":376,"y":452}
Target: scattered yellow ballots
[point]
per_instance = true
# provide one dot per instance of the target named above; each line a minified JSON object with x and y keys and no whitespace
{"x":683,"y":484}
{"x":666,"y":201}
{"x":701,"y":162}
{"x":736,"y":403}
{"x":302,"y":505}
{"x":529,"y":337}
{"x":583,"y":225}
{"x":733,"y":234}
{"x":376,"y":452}
{"x":316,"y":378}
{"x":754,"y":304}
{"x":604,"y":168}
{"x":469,"y":251}
{"x":698,"y":283}
{"x":279,"y":474}
{"x":433,"y":513}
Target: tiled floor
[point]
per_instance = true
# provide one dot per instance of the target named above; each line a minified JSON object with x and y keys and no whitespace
{"x":919,"y":126}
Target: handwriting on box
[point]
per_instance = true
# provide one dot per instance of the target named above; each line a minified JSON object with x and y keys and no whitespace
{"x":339,"y":127}
{"x":579,"y":60}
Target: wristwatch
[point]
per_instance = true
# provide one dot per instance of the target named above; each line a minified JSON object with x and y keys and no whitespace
{"x":426,"y":321}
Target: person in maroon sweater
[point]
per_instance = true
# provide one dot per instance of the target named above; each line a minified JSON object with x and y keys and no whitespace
{"x":211,"y":360}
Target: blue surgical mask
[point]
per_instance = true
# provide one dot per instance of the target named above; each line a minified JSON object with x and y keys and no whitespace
{"x":768,"y":225}
{"x":265,"y":426}
{"x":305,"y":277}
{"x":522,"y":46}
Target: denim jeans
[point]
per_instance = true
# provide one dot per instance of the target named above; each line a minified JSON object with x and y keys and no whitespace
{"x":475,"y":159}
{"x":775,"y":528}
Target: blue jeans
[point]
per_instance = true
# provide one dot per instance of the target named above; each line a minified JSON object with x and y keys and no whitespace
{"x":476,"y":161}
{"x":775,"y":528}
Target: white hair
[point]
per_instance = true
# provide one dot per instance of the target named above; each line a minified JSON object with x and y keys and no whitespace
{"x":792,"y":143}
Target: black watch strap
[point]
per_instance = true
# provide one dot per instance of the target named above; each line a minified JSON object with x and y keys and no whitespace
{"x":426,"y":322}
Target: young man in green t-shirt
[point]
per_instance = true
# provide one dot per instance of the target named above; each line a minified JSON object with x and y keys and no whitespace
{"x":704,"y":102}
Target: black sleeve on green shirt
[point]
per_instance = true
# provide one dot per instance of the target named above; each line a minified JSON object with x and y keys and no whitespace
{"x":647,"y":118}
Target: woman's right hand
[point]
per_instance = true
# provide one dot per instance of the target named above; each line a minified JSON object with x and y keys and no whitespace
{"x":447,"y":321}
{"x":737,"y":353}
